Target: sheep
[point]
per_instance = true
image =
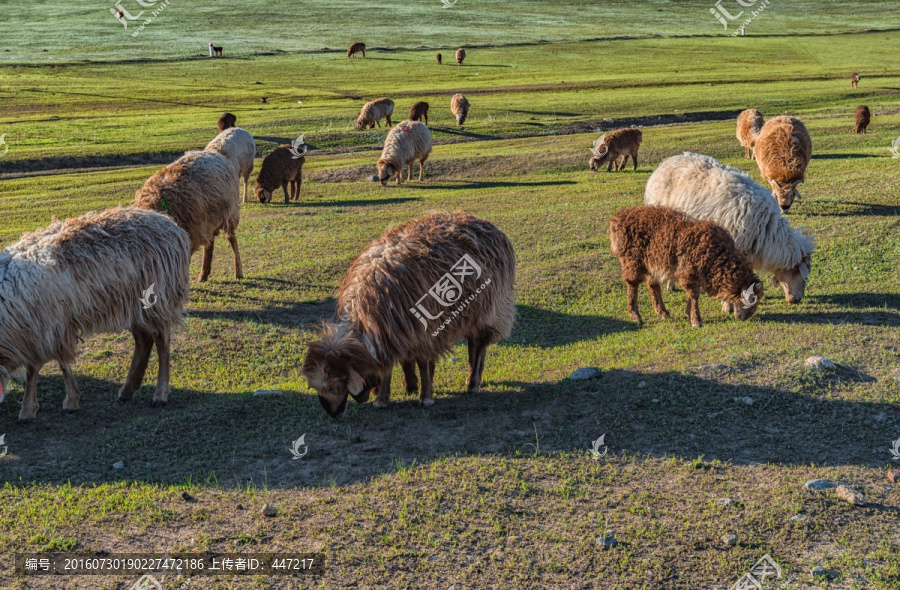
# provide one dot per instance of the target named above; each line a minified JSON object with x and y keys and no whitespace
{"x":408,"y":142}
{"x":453,"y":272}
{"x":854,"y":79}
{"x":439,"y":58}
{"x":201,"y":192}
{"x":704,"y":188}
{"x":278,"y":169}
{"x":459,"y":106}
{"x":372,"y":112}
{"x":863,"y":116}
{"x":749,"y":124}
{"x":239,"y":147}
{"x":609,"y":146}
{"x":356,"y":48}
{"x":226,"y":121}
{"x":783,"y":149}
{"x":419,"y":111}
{"x":215,"y":51}
{"x":121,"y":269}
{"x":460,"y":56}
{"x":658,"y":244}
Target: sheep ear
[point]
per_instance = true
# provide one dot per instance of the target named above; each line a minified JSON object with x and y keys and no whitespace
{"x":774,"y":184}
{"x":804,"y":271}
{"x":355,"y":383}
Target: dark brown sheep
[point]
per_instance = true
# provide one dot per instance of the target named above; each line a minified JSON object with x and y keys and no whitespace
{"x":439,"y":58}
{"x":407,"y":298}
{"x":621,"y":142}
{"x":280,"y":168}
{"x":460,"y":56}
{"x":356,"y":48}
{"x":658,"y":245}
{"x":863,"y":116}
{"x":419,"y":112}
{"x":226,"y":121}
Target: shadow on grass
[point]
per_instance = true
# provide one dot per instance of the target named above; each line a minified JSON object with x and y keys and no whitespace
{"x":492,"y":184}
{"x":875,"y":309}
{"x":843,"y":156}
{"x":546,"y":329}
{"x":850,"y":209}
{"x":347,"y":203}
{"x":286,"y":314}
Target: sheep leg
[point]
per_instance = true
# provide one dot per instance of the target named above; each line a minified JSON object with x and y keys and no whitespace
{"x":207,"y":261}
{"x":161,"y":395}
{"x":384,"y":390}
{"x":410,"y":381}
{"x":409,"y":172}
{"x":284,"y":187}
{"x":633,"y":312}
{"x":422,"y":168}
{"x":29,"y":402}
{"x":238,"y":267}
{"x":634,"y":162}
{"x":477,"y":351}
{"x":143,"y":344}
{"x":70,"y":404}
{"x":693,"y":305}
{"x":622,"y":165}
{"x":727,"y":307}
{"x":426,"y":369}
{"x":656,"y":297}
{"x":610,"y":165}
{"x":246,"y":186}
{"x":388,"y":120}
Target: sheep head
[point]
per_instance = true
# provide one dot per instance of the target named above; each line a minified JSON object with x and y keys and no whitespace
{"x":785,"y":193}
{"x":748,"y":300}
{"x":338,"y":365}
{"x":599,"y":153}
{"x":793,"y":280}
{"x":263,"y":194}
{"x":386,"y":171}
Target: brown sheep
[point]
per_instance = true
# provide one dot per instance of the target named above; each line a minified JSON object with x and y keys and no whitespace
{"x":783,"y":150}
{"x":278,"y":169}
{"x":749,"y":124}
{"x":408,"y":298}
{"x":854,"y":79}
{"x":609,"y":146}
{"x":439,"y":58}
{"x":201,"y":192}
{"x":460,"y":56}
{"x":863,"y":116}
{"x":373,"y":112}
{"x":658,"y":244}
{"x":226,"y":121}
{"x":356,"y":48}
{"x":407,"y":143}
{"x":459,"y":106}
{"x":419,"y":111}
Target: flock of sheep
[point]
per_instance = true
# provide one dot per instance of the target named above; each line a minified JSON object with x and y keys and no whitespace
{"x":412,"y":293}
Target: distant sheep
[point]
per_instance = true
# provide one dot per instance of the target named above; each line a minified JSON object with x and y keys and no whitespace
{"x":854,"y":79}
{"x":783,"y":150}
{"x":372,"y":112}
{"x":703,"y":188}
{"x":419,"y":111}
{"x":215,"y":51}
{"x":863,"y":116}
{"x":460,"y":56}
{"x":280,"y":168}
{"x":408,"y":298}
{"x":439,"y":58}
{"x":90,"y":275}
{"x":407,"y":143}
{"x":658,"y":244}
{"x":356,"y":48}
{"x":239,"y":147}
{"x":749,"y":124}
{"x":459,"y":106}
{"x":200,"y":190}
{"x":621,"y":142}
{"x":226,"y":121}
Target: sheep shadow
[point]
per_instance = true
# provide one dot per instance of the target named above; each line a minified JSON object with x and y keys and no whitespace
{"x":350,"y":202}
{"x":493,"y":184}
{"x":867,"y":318}
{"x":547,"y":329}
{"x":850,"y":209}
{"x":843,"y":156}
{"x":461,"y":133}
{"x":295,"y":315}
{"x":544,"y":113}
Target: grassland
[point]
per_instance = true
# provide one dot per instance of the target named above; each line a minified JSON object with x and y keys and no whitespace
{"x":495,"y":490}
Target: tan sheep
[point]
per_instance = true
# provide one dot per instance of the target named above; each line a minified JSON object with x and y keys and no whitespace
{"x":783,"y":150}
{"x":239,"y":147}
{"x":749,"y":124}
{"x":372,"y":113}
{"x":280,"y":168}
{"x":609,"y":146}
{"x":200,"y":190}
{"x":459,"y":106}
{"x":460,"y":56}
{"x":356,"y":48}
{"x":408,"y":142}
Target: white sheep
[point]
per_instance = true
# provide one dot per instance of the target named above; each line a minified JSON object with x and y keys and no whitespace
{"x":239,"y":147}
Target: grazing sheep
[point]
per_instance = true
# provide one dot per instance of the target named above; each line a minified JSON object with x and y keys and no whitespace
{"x":863,"y":116}
{"x":419,"y":111}
{"x":215,"y":51}
{"x":408,"y":142}
{"x":460,"y":56}
{"x":278,"y":169}
{"x":749,"y":124}
{"x":704,"y":188}
{"x":658,"y":244}
{"x":609,"y":146}
{"x":854,"y":79}
{"x":783,"y":149}
{"x":356,"y":48}
{"x":407,"y":298}
{"x":200,"y":190}
{"x":459,"y":106}
{"x":439,"y":58}
{"x":239,"y":147}
{"x":373,"y":112}
{"x":121,"y":269}
{"x":226,"y":121}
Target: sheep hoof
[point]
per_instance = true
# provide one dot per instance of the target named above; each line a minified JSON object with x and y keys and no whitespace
{"x":158,"y":403}
{"x":380,"y":405}
{"x":427,"y":403}
{"x":26,"y":420}
{"x":122,"y":399}
{"x":71,"y":410}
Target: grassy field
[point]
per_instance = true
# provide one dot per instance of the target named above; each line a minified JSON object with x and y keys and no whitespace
{"x":498,"y":489}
